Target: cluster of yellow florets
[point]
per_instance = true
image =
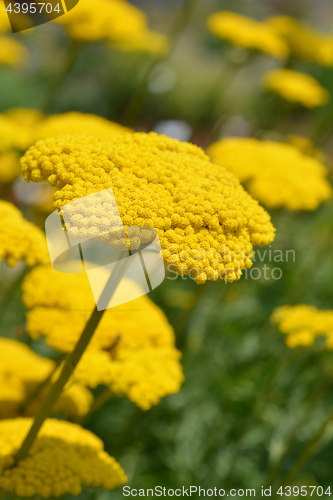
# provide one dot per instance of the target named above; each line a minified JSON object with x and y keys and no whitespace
{"x":296,"y":87}
{"x":207,"y":223}
{"x":304,"y":41}
{"x":20,"y":239}
{"x":302,"y":324}
{"x":21,"y":373}
{"x":116,"y":21}
{"x":276,"y":174}
{"x":133,"y":353}
{"x":248,"y":33}
{"x":64,"y":459}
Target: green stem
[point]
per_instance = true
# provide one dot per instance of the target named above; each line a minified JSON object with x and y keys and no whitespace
{"x":136,"y":101}
{"x":72,"y":360}
{"x":57,"y":83}
{"x":317,"y":394}
{"x":307,"y":451}
{"x":40,"y":387}
{"x":10,"y":292}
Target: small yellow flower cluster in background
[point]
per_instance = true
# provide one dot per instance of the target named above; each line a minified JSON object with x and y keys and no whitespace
{"x":21,"y":127}
{"x":207,"y":223}
{"x":21,"y":373}
{"x":20,"y":239}
{"x":302,"y":324}
{"x":74,"y":123}
{"x":304,"y":41}
{"x":12,"y":52}
{"x":64,"y":459}
{"x":276,"y":174}
{"x":306,"y":146}
{"x":133,"y":352}
{"x":116,"y":21}
{"x":248,"y":33}
{"x":296,"y":87}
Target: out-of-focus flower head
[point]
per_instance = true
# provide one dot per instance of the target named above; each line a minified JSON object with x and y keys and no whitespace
{"x":64,"y":459}
{"x":12,"y":52}
{"x":27,"y":117}
{"x":21,"y":373}
{"x":248,"y":33}
{"x":20,"y":239}
{"x":306,"y":146}
{"x":134,"y":353}
{"x":304,"y":41}
{"x":207,"y":224}
{"x":302,"y":324}
{"x":296,"y":87}
{"x":74,"y":123}
{"x":116,"y":21}
{"x":276,"y":174}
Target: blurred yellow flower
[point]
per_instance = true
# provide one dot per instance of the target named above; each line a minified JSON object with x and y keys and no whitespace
{"x":276,"y":174}
{"x":302,"y":324}
{"x":304,"y":41}
{"x":21,"y":373}
{"x":133,"y":349}
{"x":205,"y":220}
{"x":21,"y":127}
{"x":25,"y":116}
{"x":306,"y":146}
{"x":296,"y":87}
{"x":20,"y":239}
{"x":74,"y":123}
{"x":9,"y":166}
{"x":116,"y":21}
{"x":248,"y":33}
{"x":12,"y":52}
{"x":64,"y":459}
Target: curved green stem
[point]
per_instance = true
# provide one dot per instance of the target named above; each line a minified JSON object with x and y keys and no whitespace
{"x":72,"y":360}
{"x":99,"y":402}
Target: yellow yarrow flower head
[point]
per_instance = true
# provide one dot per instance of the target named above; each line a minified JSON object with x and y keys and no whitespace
{"x":276,"y":174}
{"x":14,"y":135}
{"x":248,"y":33}
{"x":296,"y":87}
{"x":306,"y":146}
{"x":12,"y":52}
{"x":116,"y":21}
{"x":133,"y":349}
{"x":207,"y":224}
{"x":20,"y":239}
{"x":302,"y":324}
{"x":304,"y":41}
{"x":74,"y":123}
{"x":21,"y":373}
{"x":25,"y":116}
{"x":64,"y":459}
